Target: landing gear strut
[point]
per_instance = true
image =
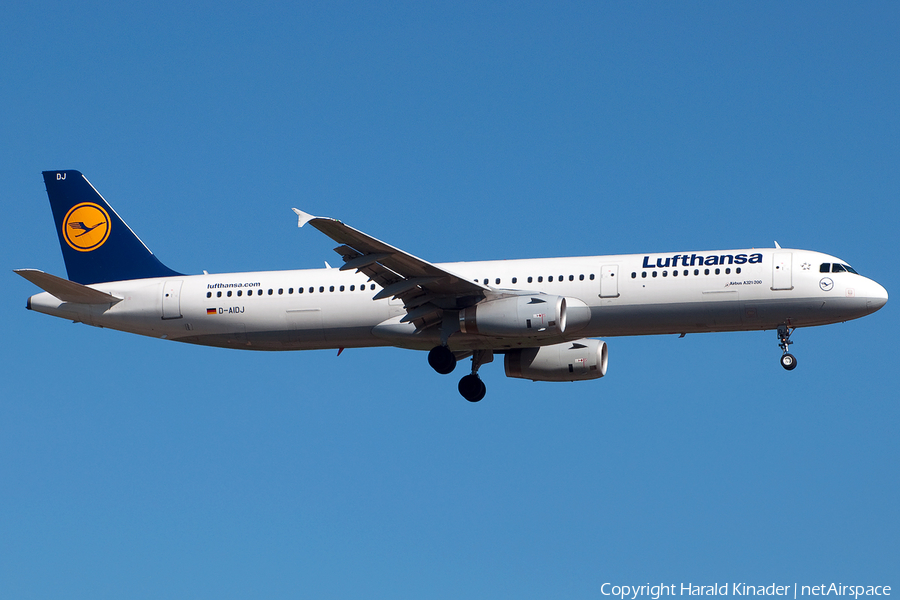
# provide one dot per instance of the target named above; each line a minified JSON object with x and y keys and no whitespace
{"x":471,"y":387}
{"x":784,"y":340}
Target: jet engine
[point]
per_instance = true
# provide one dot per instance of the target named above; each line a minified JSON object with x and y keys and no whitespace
{"x":571,"y":361}
{"x":534,"y":315}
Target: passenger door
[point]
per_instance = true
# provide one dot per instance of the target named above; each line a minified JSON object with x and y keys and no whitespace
{"x":781,"y":271}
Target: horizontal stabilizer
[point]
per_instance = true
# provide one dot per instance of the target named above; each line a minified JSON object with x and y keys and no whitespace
{"x":65,"y":290}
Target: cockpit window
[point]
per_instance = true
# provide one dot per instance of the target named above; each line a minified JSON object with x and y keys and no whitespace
{"x":837,"y":268}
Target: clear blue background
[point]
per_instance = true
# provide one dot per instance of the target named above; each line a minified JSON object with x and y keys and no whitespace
{"x":136,"y":468}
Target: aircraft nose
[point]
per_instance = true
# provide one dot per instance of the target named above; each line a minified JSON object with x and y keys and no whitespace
{"x":877,"y":297}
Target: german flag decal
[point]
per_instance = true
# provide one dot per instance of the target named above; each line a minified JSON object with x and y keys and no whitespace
{"x":210,"y":311}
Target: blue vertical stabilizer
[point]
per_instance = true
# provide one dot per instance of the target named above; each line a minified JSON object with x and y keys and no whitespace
{"x":96,"y":243}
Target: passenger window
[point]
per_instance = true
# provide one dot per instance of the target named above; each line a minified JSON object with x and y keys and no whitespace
{"x":550,"y":279}
{"x":581,"y":277}
{"x":515,"y":279}
{"x":280,"y":291}
{"x":696,"y":271}
{"x":717,"y":270}
{"x":239,"y":292}
{"x":352,"y":288}
{"x":540,"y":279}
{"x":209,"y":294}
{"x":737,"y":270}
{"x":592,"y":277}
{"x":321,"y":289}
{"x":654,"y":273}
{"x":665,"y":273}
{"x":331,"y":288}
{"x":644,"y":274}
{"x":728,"y":271}
{"x":497,"y":281}
{"x":311,"y":290}
{"x":270,"y":291}
{"x":686,"y":272}
{"x":228,"y":293}
{"x":706,"y":271}
{"x":218,"y":294}
{"x":529,"y":279}
{"x":633,"y":275}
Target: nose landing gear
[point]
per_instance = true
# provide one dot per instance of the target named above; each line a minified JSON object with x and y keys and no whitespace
{"x":784,"y":340}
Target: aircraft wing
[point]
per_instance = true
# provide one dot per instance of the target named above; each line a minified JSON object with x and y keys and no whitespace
{"x":424,"y":288}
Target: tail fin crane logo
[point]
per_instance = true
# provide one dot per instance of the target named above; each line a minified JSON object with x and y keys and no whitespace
{"x":86,"y":227}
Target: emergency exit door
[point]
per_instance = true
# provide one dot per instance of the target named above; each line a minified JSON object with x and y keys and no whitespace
{"x":609,"y":281}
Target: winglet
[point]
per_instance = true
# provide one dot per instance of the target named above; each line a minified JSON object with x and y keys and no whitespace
{"x":302,"y":217}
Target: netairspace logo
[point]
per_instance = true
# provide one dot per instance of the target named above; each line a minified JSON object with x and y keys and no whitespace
{"x":654,"y":592}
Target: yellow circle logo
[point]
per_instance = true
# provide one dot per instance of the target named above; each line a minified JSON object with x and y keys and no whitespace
{"x":86,"y":227}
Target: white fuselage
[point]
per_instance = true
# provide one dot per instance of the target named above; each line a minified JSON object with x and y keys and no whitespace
{"x":731,"y":290}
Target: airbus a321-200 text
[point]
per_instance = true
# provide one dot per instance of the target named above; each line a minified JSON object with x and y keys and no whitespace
{"x":543,"y":315}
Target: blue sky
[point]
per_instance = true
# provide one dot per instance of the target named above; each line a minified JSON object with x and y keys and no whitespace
{"x":132,"y":467}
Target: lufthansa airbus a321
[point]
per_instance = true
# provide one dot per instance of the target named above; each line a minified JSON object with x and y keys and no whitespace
{"x":543,"y":315}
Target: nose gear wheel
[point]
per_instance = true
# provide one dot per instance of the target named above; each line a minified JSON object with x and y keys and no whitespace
{"x":784,"y":340}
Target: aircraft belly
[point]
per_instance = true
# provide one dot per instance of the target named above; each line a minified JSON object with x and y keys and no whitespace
{"x":722,"y":315}
{"x":288,"y":339}
{"x":803,"y":312}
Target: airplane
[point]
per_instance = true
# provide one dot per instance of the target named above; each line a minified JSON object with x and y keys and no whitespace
{"x":543,"y":315}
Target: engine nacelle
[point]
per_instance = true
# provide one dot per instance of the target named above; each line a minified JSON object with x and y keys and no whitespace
{"x":570,"y":361}
{"x":534,"y":315}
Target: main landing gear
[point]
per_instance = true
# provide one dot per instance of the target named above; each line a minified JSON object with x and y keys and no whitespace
{"x":784,"y":340}
{"x":443,"y":360}
{"x":472,"y":388}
